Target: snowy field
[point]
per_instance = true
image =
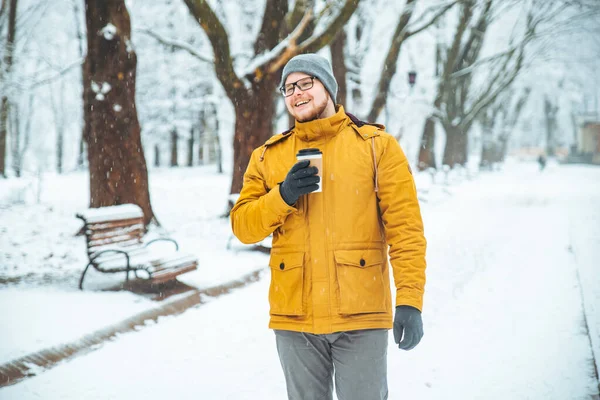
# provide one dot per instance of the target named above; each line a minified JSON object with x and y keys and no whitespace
{"x":512,"y":305}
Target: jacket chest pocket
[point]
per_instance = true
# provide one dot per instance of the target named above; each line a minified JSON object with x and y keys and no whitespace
{"x":287,"y":284}
{"x":360,"y":280}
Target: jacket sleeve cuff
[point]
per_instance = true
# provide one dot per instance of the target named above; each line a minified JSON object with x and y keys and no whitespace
{"x":277,"y":205}
{"x":409,"y":298}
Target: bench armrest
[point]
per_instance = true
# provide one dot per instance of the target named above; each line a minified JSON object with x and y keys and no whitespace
{"x":111,"y":251}
{"x":165,"y":239}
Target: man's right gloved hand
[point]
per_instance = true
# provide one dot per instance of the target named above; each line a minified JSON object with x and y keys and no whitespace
{"x":301,"y":179}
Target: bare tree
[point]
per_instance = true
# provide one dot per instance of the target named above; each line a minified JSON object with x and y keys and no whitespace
{"x":550,"y":111}
{"x":497,"y":123}
{"x":282,"y":35}
{"x":190,"y":148}
{"x":58,"y":112}
{"x":80,"y":35}
{"x":459,"y":101}
{"x":118,"y":172}
{"x":458,"y":85}
{"x":426,"y":150}
{"x":9,"y":46}
{"x":174,"y":148}
{"x":20,"y":133}
{"x":401,"y":34}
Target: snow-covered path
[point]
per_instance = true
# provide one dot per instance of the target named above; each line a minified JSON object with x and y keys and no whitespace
{"x":503,"y":311}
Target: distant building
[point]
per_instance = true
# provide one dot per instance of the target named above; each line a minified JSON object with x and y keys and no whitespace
{"x":587,"y":149}
{"x":589,"y":141}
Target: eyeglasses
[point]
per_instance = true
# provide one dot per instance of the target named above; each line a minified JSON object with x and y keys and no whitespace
{"x":302,"y":84}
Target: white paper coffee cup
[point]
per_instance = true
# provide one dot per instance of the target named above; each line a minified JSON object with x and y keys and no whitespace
{"x":316,"y":160}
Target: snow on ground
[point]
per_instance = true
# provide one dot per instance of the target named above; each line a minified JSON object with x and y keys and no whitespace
{"x":41,"y":258}
{"x":513,"y":266}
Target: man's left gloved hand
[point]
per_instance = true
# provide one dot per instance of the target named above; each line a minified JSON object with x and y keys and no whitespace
{"x":408,"y":321}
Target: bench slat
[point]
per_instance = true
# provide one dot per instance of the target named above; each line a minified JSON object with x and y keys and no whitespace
{"x":175,"y":260}
{"x":136,"y":229}
{"x":122,"y":241}
{"x":173,"y":273}
{"x":97,"y":226}
{"x":125,"y":246}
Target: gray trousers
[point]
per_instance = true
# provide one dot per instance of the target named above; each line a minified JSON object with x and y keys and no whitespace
{"x":357,"y":360}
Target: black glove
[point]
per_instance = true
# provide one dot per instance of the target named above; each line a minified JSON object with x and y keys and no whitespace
{"x":300,"y":180}
{"x":408,"y":321}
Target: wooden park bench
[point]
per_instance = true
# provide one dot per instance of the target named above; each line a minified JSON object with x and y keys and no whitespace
{"x":114,"y":238}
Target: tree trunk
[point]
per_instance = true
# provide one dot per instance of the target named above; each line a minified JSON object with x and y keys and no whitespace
{"x":488,"y":154}
{"x":550,"y":111}
{"x":14,"y":115}
{"x":174,"y":148}
{"x":4,"y":74}
{"x":338,"y":63}
{"x":21,"y":137}
{"x":81,"y":152}
{"x":218,"y":149}
{"x":80,"y":42}
{"x":156,"y":156}
{"x":253,"y":115}
{"x":3,"y":131}
{"x":455,"y":152}
{"x":60,"y":146}
{"x":190,"y":153}
{"x":118,"y":173}
{"x":58,"y":110}
{"x":427,"y":148}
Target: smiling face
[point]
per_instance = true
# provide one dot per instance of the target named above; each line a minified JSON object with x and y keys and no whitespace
{"x":311,"y":104}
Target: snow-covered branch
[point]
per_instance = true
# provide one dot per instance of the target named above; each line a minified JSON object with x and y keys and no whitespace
{"x":176,"y":44}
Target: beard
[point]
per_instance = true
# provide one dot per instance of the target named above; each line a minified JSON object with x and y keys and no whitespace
{"x":315,"y":113}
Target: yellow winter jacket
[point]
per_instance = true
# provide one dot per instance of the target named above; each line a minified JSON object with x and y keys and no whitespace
{"x":329,"y":261}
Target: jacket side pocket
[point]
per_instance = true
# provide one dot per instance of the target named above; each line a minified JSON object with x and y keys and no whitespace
{"x":360,"y":280}
{"x":287,"y":284}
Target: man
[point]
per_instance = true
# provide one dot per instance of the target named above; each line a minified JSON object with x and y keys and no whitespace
{"x":330,"y":297}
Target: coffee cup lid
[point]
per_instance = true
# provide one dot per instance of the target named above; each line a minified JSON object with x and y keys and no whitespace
{"x":309,"y":151}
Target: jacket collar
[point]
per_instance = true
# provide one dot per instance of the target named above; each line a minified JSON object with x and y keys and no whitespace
{"x":323,"y":128}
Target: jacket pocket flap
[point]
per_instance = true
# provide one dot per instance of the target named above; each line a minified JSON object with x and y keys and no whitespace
{"x":286,"y":261}
{"x":359,"y":258}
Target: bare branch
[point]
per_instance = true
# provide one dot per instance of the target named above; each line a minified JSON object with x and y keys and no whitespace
{"x":295,"y":16}
{"x":391,"y":61}
{"x":485,"y":61}
{"x":2,"y":14}
{"x":433,"y":19}
{"x":315,"y":43}
{"x":217,"y":35}
{"x":175,"y":44}
{"x":288,"y":48}
{"x":56,"y":76}
{"x":490,"y":93}
{"x":270,"y":30}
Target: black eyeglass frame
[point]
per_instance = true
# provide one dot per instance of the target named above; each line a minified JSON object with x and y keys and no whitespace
{"x":295,"y":85}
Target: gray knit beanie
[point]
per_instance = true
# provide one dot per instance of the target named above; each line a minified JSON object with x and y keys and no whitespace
{"x":313,"y":65}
